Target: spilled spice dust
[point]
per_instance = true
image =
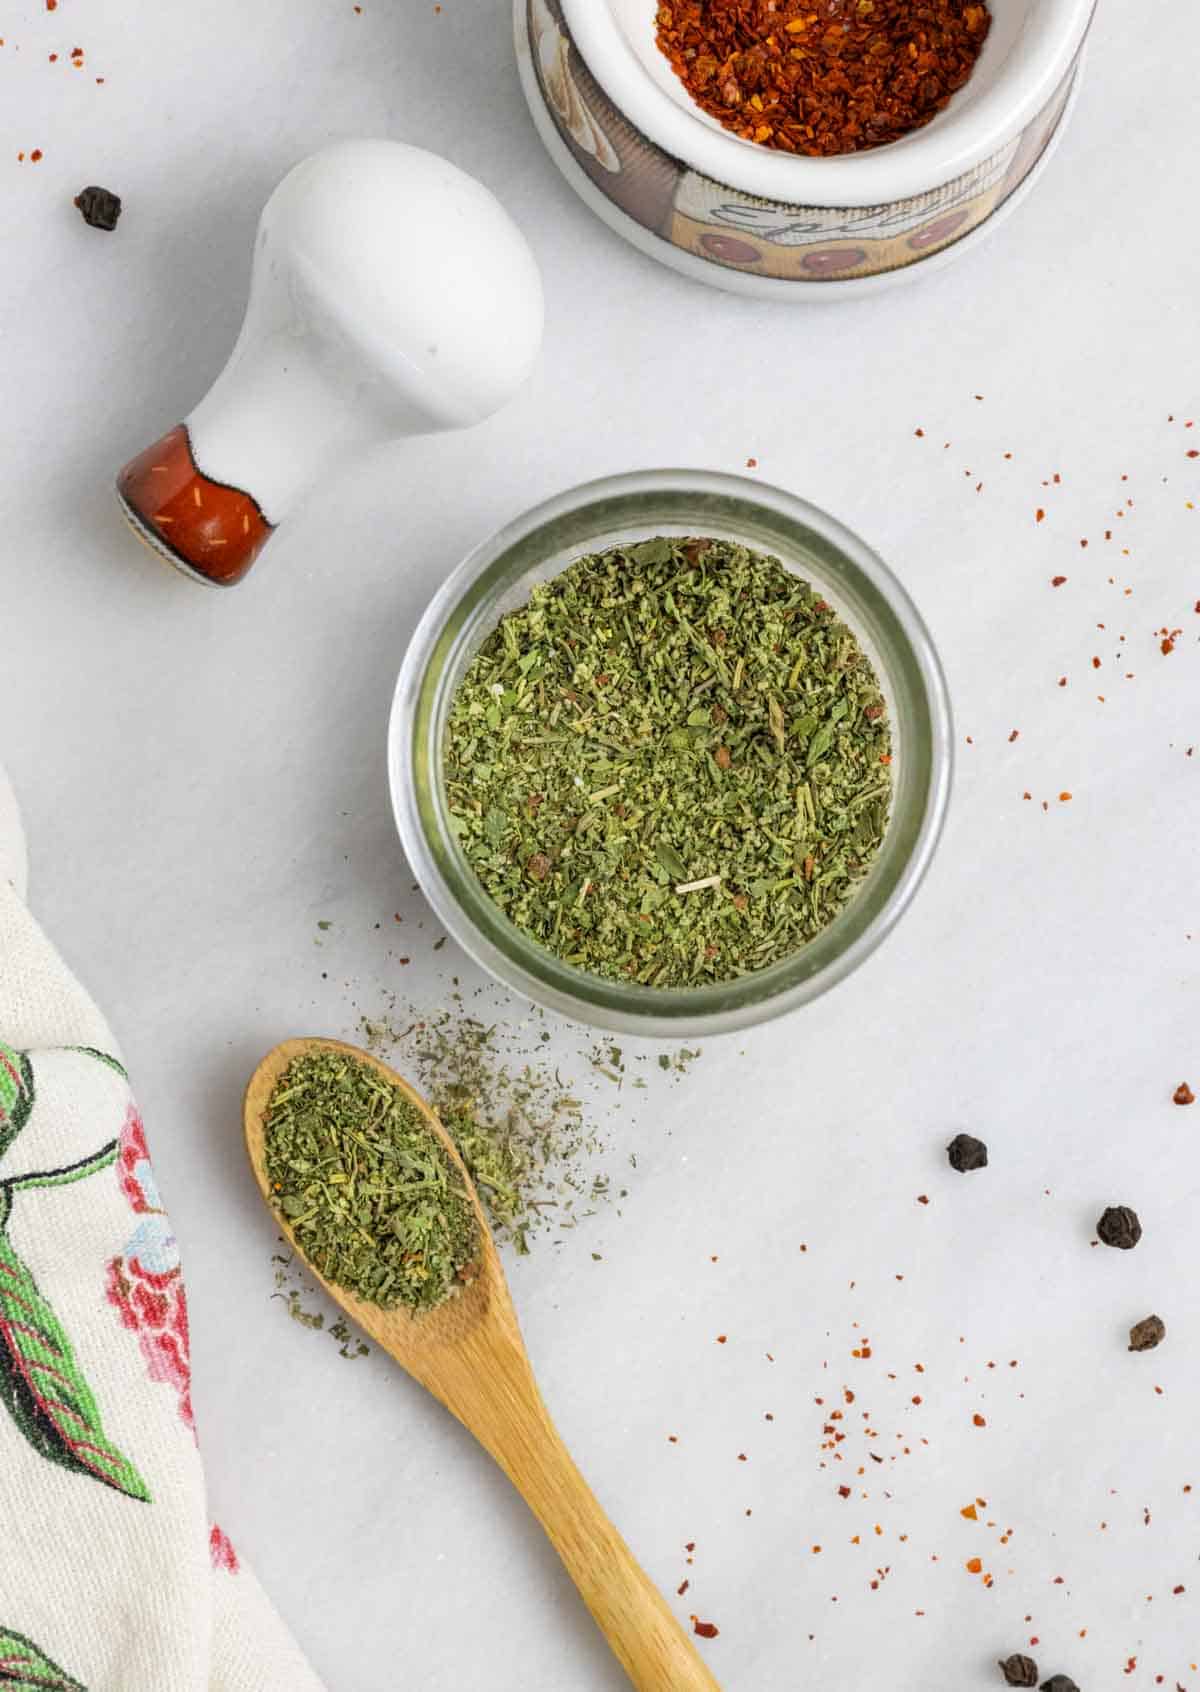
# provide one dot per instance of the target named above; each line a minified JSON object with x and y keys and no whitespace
{"x":292,"y":1285}
{"x":519,"y":1127}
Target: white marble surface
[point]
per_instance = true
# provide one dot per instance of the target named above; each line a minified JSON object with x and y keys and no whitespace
{"x":203,"y":778}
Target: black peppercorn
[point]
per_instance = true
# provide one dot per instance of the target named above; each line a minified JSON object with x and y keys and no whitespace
{"x":1145,"y":1335}
{"x":100,"y":209}
{"x":1119,"y":1227}
{"x":1019,"y":1671}
{"x":965,"y":1153}
{"x":1059,"y":1683}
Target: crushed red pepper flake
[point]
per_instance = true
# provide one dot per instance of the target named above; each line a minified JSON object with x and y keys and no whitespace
{"x":811,"y":76}
{"x":1183,"y":1094}
{"x":706,"y":1630}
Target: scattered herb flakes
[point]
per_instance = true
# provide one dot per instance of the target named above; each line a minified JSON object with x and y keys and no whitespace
{"x":289,"y":1269}
{"x":370,"y":1194}
{"x":518,"y":1124}
{"x":582,"y":771}
{"x":1147,"y":1334}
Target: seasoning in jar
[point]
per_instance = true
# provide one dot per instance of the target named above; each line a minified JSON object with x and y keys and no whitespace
{"x":822,"y":76}
{"x":672,"y":765}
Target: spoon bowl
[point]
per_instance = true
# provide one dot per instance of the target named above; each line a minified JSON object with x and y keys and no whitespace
{"x":468,"y":1352}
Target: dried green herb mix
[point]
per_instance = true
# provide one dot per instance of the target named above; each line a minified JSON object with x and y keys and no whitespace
{"x":672,"y":765}
{"x":369,"y":1193}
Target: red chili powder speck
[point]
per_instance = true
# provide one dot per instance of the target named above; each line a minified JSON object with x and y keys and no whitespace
{"x":706,"y":1630}
{"x":1039,"y":515}
{"x":1183,"y":1094}
{"x":979,"y":1421}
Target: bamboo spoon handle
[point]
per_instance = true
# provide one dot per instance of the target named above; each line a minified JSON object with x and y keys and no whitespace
{"x":630,"y":1611}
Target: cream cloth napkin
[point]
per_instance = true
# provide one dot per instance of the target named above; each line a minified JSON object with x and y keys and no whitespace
{"x":112,"y":1578}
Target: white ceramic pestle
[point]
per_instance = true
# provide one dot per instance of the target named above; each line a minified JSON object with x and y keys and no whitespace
{"x":391,"y":295}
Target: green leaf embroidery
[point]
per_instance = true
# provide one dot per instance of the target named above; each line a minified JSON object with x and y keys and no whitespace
{"x":16,"y":1094}
{"x":105,"y":1058}
{"x":44,"y":1390}
{"x":23,"y":1665}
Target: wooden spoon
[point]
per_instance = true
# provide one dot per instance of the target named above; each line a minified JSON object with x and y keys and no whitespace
{"x":469,"y":1354}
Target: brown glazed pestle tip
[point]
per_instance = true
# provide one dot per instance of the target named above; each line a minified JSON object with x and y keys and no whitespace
{"x":208,"y":530}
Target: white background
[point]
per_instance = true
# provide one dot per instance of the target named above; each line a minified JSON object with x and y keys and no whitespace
{"x":203,"y":776}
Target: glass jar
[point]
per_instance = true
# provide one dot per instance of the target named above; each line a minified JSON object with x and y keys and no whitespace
{"x":498,"y":576}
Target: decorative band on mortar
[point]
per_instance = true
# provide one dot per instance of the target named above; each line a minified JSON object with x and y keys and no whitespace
{"x":724,"y":226}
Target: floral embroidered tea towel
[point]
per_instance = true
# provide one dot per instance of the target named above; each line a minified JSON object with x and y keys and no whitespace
{"x":111,"y":1577}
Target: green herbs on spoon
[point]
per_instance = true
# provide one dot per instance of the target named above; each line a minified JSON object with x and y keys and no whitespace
{"x":369,"y":1193}
{"x":672,"y":766}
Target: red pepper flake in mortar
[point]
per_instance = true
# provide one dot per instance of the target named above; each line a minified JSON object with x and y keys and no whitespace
{"x":816,"y":76}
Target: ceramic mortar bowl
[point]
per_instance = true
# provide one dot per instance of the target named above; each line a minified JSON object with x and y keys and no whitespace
{"x":626,"y":134}
{"x":499,"y":576}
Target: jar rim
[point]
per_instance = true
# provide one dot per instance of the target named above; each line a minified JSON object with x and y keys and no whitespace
{"x":467,"y":605}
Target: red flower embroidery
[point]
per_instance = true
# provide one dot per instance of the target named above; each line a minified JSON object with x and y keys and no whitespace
{"x":220,"y":1549}
{"x":145,"y":1284}
{"x":134,"y":1151}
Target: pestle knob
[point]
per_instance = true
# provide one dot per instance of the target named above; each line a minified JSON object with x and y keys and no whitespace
{"x":391,"y":295}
